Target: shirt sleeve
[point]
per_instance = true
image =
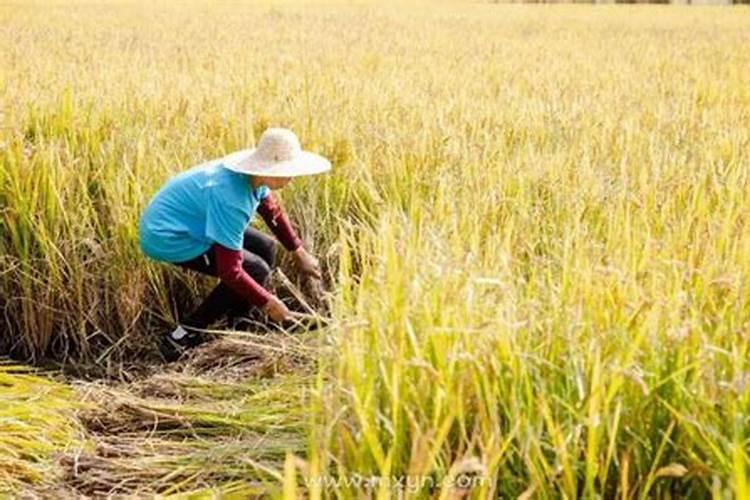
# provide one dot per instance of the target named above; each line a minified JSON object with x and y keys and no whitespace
{"x":278,"y":222}
{"x":230,"y":271}
{"x":225,"y":223}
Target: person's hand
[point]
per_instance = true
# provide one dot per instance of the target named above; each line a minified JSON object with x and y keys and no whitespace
{"x":307,"y":263}
{"x":277,"y":310}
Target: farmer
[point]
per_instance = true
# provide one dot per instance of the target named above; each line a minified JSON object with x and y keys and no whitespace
{"x":199,"y":220}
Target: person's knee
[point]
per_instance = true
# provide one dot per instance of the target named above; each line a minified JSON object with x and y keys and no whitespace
{"x":260,"y":244}
{"x":268,"y":253}
{"x":257,"y":268}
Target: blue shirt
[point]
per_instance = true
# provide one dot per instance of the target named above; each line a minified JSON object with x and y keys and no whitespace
{"x":196,"y":208}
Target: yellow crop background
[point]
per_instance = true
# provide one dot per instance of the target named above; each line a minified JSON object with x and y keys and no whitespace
{"x":535,"y":230}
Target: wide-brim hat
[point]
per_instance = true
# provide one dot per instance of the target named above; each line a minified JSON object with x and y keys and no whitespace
{"x":278,"y":154}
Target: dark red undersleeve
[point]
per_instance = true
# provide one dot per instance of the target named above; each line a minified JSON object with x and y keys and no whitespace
{"x":278,"y":222}
{"x":230,"y":271}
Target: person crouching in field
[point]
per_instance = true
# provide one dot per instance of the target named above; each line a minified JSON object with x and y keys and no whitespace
{"x":199,"y":221}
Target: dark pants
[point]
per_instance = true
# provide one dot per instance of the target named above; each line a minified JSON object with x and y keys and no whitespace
{"x":258,"y":255}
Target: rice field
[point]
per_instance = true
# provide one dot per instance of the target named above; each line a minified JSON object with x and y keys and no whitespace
{"x":534,"y":240}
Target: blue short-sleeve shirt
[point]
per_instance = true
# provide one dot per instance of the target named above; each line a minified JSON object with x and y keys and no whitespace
{"x":204,"y":205}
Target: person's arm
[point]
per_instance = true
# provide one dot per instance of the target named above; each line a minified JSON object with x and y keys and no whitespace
{"x":278,"y":222}
{"x":224,"y":225}
{"x":230,"y":271}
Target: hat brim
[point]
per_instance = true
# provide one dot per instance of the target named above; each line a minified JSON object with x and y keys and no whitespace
{"x":305,"y":163}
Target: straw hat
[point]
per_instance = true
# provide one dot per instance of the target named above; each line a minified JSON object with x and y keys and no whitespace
{"x":278,"y":154}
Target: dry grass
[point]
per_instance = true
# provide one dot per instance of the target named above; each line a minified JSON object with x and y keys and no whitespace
{"x":227,"y":413}
{"x":36,"y":421}
{"x":196,"y":424}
